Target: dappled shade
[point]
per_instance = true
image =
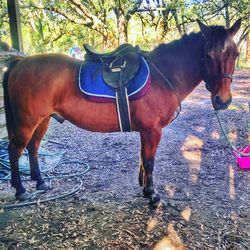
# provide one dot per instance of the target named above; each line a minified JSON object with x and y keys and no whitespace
{"x":192,"y":152}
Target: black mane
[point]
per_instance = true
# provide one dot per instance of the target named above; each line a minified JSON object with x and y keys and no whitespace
{"x":177,"y":47}
{"x":184,"y":42}
{"x":187,"y":41}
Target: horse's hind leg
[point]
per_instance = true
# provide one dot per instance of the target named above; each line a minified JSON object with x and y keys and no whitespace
{"x":149,"y":142}
{"x":32,"y":148}
{"x":17,"y":143}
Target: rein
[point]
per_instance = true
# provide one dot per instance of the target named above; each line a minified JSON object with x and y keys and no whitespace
{"x":171,"y":87}
{"x":226,"y":136}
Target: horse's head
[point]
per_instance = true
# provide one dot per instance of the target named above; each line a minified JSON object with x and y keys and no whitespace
{"x":218,"y":62}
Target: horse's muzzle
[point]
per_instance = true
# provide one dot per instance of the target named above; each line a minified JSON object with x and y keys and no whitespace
{"x":219,"y":104}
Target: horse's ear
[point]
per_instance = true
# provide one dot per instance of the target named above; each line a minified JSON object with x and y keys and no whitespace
{"x":204,"y":28}
{"x":234,"y":29}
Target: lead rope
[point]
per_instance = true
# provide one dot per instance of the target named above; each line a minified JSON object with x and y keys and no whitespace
{"x":226,"y":136}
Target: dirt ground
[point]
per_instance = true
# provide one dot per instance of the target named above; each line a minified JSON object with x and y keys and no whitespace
{"x":207,"y":195}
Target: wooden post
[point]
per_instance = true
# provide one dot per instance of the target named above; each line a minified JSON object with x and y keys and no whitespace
{"x":15,"y":24}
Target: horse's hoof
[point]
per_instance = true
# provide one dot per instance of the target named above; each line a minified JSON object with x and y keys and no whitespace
{"x":43,"y":186}
{"x":23,"y":197}
{"x":155,"y":200}
{"x":148,"y":191}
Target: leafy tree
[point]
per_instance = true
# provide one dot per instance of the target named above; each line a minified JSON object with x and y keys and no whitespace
{"x":56,"y":25}
{"x":4,"y":25}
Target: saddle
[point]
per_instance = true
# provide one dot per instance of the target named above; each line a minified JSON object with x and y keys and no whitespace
{"x":125,"y":58}
{"x":118,"y":67}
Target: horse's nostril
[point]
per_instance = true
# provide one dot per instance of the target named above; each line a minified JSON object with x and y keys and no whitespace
{"x":220,"y":104}
{"x":218,"y":101}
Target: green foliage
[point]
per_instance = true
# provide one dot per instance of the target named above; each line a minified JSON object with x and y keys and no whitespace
{"x":55,"y":26}
{"x":4,"y":26}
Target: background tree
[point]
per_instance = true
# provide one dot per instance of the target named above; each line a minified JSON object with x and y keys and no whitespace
{"x":226,"y":12}
{"x":57,"y":25}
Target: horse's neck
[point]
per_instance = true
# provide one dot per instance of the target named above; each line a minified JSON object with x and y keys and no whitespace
{"x":182,"y":68}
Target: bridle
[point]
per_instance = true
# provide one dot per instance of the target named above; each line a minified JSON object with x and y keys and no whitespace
{"x":228,"y":76}
{"x":224,"y":76}
{"x":220,"y":77}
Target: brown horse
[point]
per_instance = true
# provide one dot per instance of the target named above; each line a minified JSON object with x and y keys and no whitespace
{"x":37,"y":86}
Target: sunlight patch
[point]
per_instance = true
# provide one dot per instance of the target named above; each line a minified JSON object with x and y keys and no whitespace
{"x":170,"y":242}
{"x":200,"y":129}
{"x":186,"y":213}
{"x":191,"y":151}
{"x":215,"y":135}
{"x":231,"y":183}
{"x":170,"y":190}
{"x":152,"y":223}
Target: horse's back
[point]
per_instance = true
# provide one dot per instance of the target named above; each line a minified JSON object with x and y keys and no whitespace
{"x":37,"y":82}
{"x":44,"y":67}
{"x":35,"y":67}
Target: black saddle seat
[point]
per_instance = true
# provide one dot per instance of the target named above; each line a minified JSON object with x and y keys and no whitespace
{"x":118,"y":66}
{"x":93,"y":55}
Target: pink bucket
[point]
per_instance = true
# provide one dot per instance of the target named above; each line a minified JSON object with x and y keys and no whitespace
{"x":243,"y":161}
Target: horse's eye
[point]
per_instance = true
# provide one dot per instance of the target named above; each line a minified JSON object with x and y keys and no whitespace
{"x":227,"y":54}
{"x":208,"y":57}
{"x":236,"y":54}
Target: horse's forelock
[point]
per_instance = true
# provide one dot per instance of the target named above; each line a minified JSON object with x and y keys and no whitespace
{"x":218,"y":37}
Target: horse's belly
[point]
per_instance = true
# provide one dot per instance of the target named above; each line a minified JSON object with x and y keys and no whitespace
{"x":96,"y":117}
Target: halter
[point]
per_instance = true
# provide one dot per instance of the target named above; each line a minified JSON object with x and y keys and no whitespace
{"x":228,"y":76}
{"x":224,"y":76}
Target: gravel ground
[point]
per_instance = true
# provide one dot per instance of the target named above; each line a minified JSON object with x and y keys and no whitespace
{"x":207,"y":195}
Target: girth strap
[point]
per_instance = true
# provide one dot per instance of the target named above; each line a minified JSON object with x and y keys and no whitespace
{"x":123,"y":109}
{"x":122,"y":101}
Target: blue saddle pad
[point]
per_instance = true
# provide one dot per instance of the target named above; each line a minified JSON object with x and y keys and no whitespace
{"x":91,"y":82}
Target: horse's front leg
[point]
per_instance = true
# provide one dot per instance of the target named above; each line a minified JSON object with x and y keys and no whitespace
{"x":149,"y":142}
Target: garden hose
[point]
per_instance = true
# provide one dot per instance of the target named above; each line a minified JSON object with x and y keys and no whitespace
{"x":55,"y":174}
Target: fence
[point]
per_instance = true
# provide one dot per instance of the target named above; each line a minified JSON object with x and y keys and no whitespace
{"x":3,"y":131}
{"x":4,"y":56}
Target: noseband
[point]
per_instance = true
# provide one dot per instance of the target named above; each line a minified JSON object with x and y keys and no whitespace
{"x":228,"y":76}
{"x":225,"y":76}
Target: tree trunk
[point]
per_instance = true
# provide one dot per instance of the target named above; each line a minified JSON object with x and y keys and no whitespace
{"x":227,"y":16}
{"x":122,"y":27}
{"x":177,"y":22}
{"x":247,"y":55}
{"x":238,"y":59}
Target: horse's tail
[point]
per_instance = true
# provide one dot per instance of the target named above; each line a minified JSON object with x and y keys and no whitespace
{"x":10,"y":121}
